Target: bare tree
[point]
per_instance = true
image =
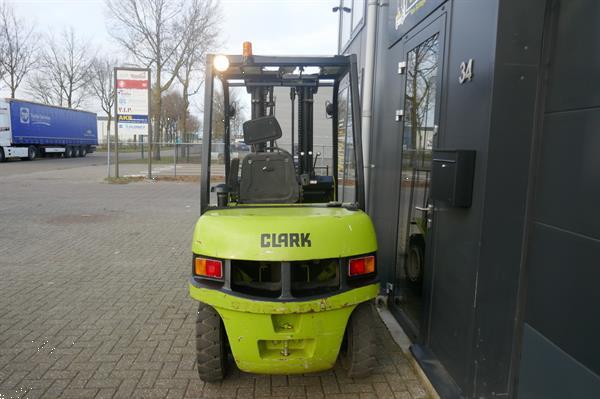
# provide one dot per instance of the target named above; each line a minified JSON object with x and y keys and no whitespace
{"x":202,"y":39}
{"x":2,"y":48}
{"x":20,"y":40}
{"x":236,"y":109}
{"x":174,"y":117}
{"x":64,"y":71}
{"x":420,"y":96}
{"x":102,"y":86}
{"x":157,"y":34}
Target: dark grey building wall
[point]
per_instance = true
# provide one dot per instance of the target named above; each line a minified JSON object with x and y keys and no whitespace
{"x":464,"y":123}
{"x":516,"y":69}
{"x":511,"y":293}
{"x":560,"y":350}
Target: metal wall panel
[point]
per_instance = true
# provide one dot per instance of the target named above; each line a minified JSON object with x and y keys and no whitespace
{"x":464,"y":123}
{"x":568,"y":188}
{"x":516,"y":74}
{"x":386,"y":140}
{"x":561,"y":377}
{"x":561,"y":296}
{"x":576,"y":57}
{"x":405,"y":15}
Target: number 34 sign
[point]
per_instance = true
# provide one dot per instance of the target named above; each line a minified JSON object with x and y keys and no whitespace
{"x":466,"y":71}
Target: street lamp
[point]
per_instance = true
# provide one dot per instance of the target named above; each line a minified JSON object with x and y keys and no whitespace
{"x":341,"y":9}
{"x":344,"y":9}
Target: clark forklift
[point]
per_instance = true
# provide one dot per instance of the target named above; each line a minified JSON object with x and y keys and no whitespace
{"x":284,"y":271}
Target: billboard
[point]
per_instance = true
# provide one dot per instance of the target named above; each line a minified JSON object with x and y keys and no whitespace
{"x":132,"y":88}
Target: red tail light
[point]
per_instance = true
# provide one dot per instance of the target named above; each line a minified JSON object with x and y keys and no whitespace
{"x":208,"y":268}
{"x":360,"y":266}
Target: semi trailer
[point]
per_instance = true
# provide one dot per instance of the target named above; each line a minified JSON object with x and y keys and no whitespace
{"x":29,"y":130}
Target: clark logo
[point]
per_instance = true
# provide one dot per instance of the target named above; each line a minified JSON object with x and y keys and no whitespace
{"x":286,"y":240}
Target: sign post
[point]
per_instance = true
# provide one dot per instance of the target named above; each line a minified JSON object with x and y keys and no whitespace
{"x":132,"y":107}
{"x":108,"y":154}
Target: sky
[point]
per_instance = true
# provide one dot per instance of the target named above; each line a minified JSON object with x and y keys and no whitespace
{"x":281,"y":27}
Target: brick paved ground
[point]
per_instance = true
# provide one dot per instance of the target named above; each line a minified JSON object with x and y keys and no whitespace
{"x":93,"y":300}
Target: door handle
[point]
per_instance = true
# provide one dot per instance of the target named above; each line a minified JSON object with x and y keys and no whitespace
{"x":428,"y":209}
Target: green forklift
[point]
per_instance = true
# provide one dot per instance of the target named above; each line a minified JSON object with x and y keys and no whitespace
{"x":284,"y":255}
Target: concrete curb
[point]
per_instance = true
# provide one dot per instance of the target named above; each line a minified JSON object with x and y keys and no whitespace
{"x":404,"y":343}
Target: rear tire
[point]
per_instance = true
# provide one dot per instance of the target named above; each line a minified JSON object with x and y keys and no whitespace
{"x":2,"y":156}
{"x":359,"y":348}
{"x":31,"y":154}
{"x":68,"y":151}
{"x":83,"y":152}
{"x":211,"y":350}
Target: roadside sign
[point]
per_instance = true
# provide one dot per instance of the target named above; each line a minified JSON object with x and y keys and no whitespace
{"x":132,"y":102}
{"x":132,"y":108}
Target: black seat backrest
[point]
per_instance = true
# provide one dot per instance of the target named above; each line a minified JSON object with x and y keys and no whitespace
{"x":268,"y":177}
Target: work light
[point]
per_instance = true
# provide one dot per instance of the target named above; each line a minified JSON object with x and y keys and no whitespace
{"x":221,"y":63}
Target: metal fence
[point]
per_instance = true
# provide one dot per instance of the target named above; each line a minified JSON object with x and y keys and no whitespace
{"x":183,"y":159}
{"x":165,"y":159}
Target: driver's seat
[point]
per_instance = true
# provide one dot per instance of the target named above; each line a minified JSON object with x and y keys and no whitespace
{"x":267,"y":177}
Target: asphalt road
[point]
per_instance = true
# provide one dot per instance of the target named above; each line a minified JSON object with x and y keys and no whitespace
{"x":16,"y":166}
{"x":98,"y":159}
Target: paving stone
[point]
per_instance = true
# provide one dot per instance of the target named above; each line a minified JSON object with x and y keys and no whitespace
{"x":77,"y":393}
{"x":105,"y":383}
{"x":105,"y":393}
{"x":126,"y":389}
{"x":383,"y":390}
{"x":357,"y":388}
{"x":56,"y":389}
{"x":110,"y":316}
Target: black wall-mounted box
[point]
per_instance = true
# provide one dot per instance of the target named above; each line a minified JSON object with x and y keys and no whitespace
{"x":452,"y":174}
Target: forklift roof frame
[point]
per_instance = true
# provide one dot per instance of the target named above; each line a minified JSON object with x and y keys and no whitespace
{"x":240,"y":69}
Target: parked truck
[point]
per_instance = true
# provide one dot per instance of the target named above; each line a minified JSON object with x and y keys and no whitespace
{"x":29,"y":130}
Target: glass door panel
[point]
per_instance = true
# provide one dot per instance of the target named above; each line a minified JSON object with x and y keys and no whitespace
{"x":419,"y":130}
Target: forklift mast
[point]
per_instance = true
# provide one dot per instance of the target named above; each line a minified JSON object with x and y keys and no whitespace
{"x":305,"y":129}
{"x":263,"y":105}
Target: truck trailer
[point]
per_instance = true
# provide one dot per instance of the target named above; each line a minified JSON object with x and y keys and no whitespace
{"x":29,"y":130}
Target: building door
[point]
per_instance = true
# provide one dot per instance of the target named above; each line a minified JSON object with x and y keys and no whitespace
{"x":420,"y":119}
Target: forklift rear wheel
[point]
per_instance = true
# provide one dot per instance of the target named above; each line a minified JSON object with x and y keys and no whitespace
{"x":359,"y":347}
{"x":211,"y":350}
